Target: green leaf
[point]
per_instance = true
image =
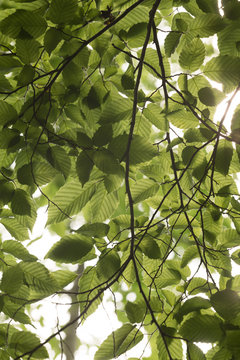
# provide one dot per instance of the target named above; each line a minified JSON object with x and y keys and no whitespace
{"x":118,"y":342}
{"x":108,"y":264}
{"x":62,"y":11}
{"x":71,"y":198}
{"x":27,"y":50}
{"x":15,"y":228}
{"x":8,"y":114}
{"x":20,"y":203}
{"x":202,"y":328}
{"x":229,"y":297}
{"x":38,"y":279}
{"x":12,"y":280}
{"x":206,"y":25}
{"x":224,"y":151}
{"x":141,"y":150}
{"x":70,"y":248}
{"x":84,"y":166}
{"x":208,"y":6}
{"x":106,"y":162}
{"x":171,"y":42}
{"x":135,"y":311}
{"x":102,"y":204}
{"x":150,"y":248}
{"x":192,"y":55}
{"x":26,"y":75}
{"x":210,"y":96}
{"x":95,"y":230}
{"x":18,"y":250}
{"x":51,"y":39}
{"x":103,"y":135}
{"x":89,"y":284}
{"x":63,"y":277}
{"x":224,"y":69}
{"x":22,"y":23}
{"x":193,"y":304}
{"x":8,"y":63}
{"x":143,"y":189}
{"x":59,"y":159}
{"x":24,"y":341}
{"x":194,"y":353}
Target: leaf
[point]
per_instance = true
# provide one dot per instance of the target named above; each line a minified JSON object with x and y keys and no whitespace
{"x":135,"y":311}
{"x":118,"y":342}
{"x":33,"y":24}
{"x":62,"y":11}
{"x":229,"y":297}
{"x":27,"y":50}
{"x":20,"y":203}
{"x":12,"y":280}
{"x":8,"y":114}
{"x":150,"y":248}
{"x":103,"y":135}
{"x":210,"y":96}
{"x":26,"y":75}
{"x":59,"y":159}
{"x":171,"y":42}
{"x":194,"y":353}
{"x":95,"y":230}
{"x":8,"y":63}
{"x":84,"y":166}
{"x":71,"y":198}
{"x":63,"y":277}
{"x":18,"y":250}
{"x":192,"y":55}
{"x":206,"y":25}
{"x":143,"y":189}
{"x":140,"y":151}
{"x":108,"y":264}
{"x":208,"y":6}
{"x":224,"y":151}
{"x":190,"y":305}
{"x":25,"y":341}
{"x":51,"y":39}
{"x":70,"y":248}
{"x":106,"y":162}
{"x":38,"y":278}
{"x":15,"y":228}
{"x":89,"y":286}
{"x":202,"y":328}
{"x":224,"y":69}
{"x":102,"y":204}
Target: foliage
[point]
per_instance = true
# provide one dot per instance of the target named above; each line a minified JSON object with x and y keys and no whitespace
{"x":106,"y":109}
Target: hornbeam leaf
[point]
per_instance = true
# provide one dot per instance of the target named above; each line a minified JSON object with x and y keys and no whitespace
{"x":226,"y":303}
{"x":20,"y":203}
{"x":71,"y":198}
{"x":171,"y":42}
{"x":84,"y":166}
{"x":8,"y":114}
{"x":62,"y":11}
{"x":12,"y":279}
{"x":195,"y":353}
{"x":224,"y":69}
{"x":27,"y":50}
{"x":192,"y":55}
{"x":70,"y":249}
{"x":202,"y":328}
{"x":143,"y":189}
{"x":118,"y":342}
{"x":89,"y":285}
{"x":24,"y":341}
{"x":18,"y":250}
{"x":224,"y":151}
